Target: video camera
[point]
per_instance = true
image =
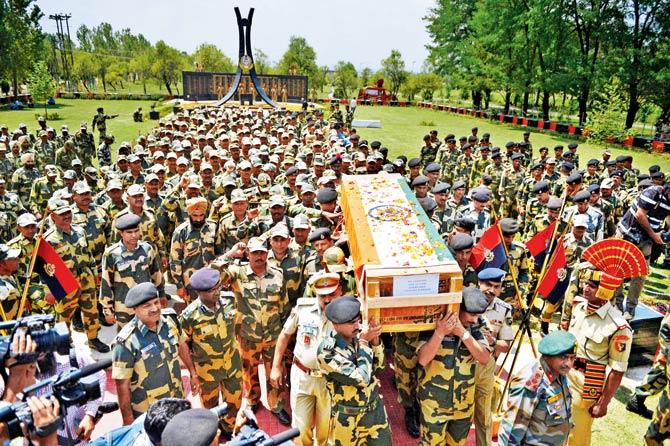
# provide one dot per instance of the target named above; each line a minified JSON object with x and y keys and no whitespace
{"x":48,"y":340}
{"x":251,"y":435}
{"x":74,"y":387}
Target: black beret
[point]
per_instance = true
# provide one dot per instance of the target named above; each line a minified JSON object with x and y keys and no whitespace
{"x":537,"y":166}
{"x":193,"y":427}
{"x":572,"y":145}
{"x":616,"y":173}
{"x":466,"y":223}
{"x":466,"y":146}
{"x":127,"y":221}
{"x":484,"y":148}
{"x":655,"y":168}
{"x":556,"y":343}
{"x":335,"y":160}
{"x":594,"y":188}
{"x":567,"y":155}
{"x":326,"y":195}
{"x":420,"y":180}
{"x":141,"y":293}
{"x":554,"y":204}
{"x":509,"y":226}
{"x":428,"y":204}
{"x":496,"y":155}
{"x":450,"y":136}
{"x":567,"y":166}
{"x":320,"y":234}
{"x":205,"y":279}
{"x":574,"y":178}
{"x":414,"y":162}
{"x":582,"y":195}
{"x":643,"y":176}
{"x":426,"y":137}
{"x":522,"y":144}
{"x":492,"y":274}
{"x":481,"y":194}
{"x":458,"y":184}
{"x":472,"y":138}
{"x":461,"y":241}
{"x":474,"y":301}
{"x":558,"y":148}
{"x":540,"y":186}
{"x":610,"y":163}
{"x":655,"y":175}
{"x":516,"y":156}
{"x":620,"y":158}
{"x":291,"y":171}
{"x":375,"y":144}
{"x":432,"y":167}
{"x":592,"y":162}
{"x":441,"y":188}
{"x":510,"y":144}
{"x":645,"y":183}
{"x":343,"y":309}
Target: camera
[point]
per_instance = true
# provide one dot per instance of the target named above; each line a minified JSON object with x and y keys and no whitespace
{"x":56,"y":339}
{"x":250,"y":435}
{"x":665,"y":236}
{"x":75,"y":387}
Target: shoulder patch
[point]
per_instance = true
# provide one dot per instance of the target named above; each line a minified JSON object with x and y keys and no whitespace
{"x":534,"y":381}
{"x":305,"y":301}
{"x":328,"y":343}
{"x":125,"y":332}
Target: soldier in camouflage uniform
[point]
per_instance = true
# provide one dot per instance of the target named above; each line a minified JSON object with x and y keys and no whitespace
{"x":497,"y":330}
{"x":495,"y":171}
{"x":91,"y":218}
{"x":350,"y":357}
{"x":43,"y":189}
{"x":24,"y":177}
{"x":539,"y":403}
{"x":209,"y":326}
{"x":146,"y":355}
{"x":509,"y":183}
{"x":237,"y":221}
{"x":541,"y":221}
{"x":10,"y":208}
{"x":262,"y":307}
{"x":126,"y":263}
{"x":194,"y":245}
{"x":100,"y":121}
{"x":428,"y":151}
{"x":65,"y":155}
{"x":310,"y":401}
{"x":536,"y":205}
{"x":85,"y":145}
{"x":9,"y":290}
{"x":464,"y":163}
{"x":45,"y":150}
{"x":517,"y":257}
{"x":479,"y":166}
{"x":292,"y":265}
{"x":448,"y":356}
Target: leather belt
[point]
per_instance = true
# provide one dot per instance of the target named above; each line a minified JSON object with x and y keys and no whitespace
{"x":310,"y":372}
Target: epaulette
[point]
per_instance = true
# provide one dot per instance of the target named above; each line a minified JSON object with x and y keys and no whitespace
{"x":502,"y":303}
{"x":534,"y":381}
{"x":519,"y":244}
{"x":328,"y":343}
{"x":171,"y":315}
{"x":577,"y":300}
{"x":618,"y":318}
{"x":125,"y":332}
{"x":48,"y":232}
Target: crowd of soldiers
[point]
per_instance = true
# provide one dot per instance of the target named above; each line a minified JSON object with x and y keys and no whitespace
{"x":238,"y":209}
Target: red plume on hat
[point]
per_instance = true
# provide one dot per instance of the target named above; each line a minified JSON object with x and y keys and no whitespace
{"x":615,"y":260}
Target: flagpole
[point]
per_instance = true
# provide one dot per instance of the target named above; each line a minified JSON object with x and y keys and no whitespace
{"x":31,"y":267}
{"x":509,"y":261}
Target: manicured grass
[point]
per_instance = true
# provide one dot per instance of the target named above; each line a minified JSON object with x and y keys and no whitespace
{"x":403,"y":130}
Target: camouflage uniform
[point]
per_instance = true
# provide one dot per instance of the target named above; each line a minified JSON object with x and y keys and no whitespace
{"x":538,"y":408}
{"x":293,"y":267}
{"x":596,"y":224}
{"x":149,"y":231}
{"x":309,"y":395}
{"x":9,"y":297}
{"x":215,"y":353}
{"x":406,"y":365}
{"x":36,"y":291}
{"x":604,"y":339}
{"x":428,"y":154}
{"x":10,"y":208}
{"x":85,"y":144}
{"x":42,"y":190}
{"x":262,"y":307}
{"x":533,"y":208}
{"x":45,"y":153}
{"x":191,"y":250}
{"x":22,"y":184}
{"x":509,"y":184}
{"x":496,"y":173}
{"x":655,"y":381}
{"x":518,"y":258}
{"x":358,"y":416}
{"x":229,"y":229}
{"x":498,"y":320}
{"x":64,"y":158}
{"x":150,"y":360}
{"x":97,"y":227}
{"x":74,"y":249}
{"x":478,"y":168}
{"x":537,"y":224}
{"x":122,"y":270}
{"x":607,"y":210}
{"x":482,"y":220}
{"x":464,"y":167}
{"x":447,"y":391}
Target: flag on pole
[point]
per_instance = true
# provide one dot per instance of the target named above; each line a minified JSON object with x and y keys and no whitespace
{"x":489,"y":252}
{"x":538,"y":246}
{"x":53,"y":271}
{"x":555,"y":280}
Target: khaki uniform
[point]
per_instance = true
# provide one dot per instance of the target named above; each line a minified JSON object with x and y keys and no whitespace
{"x":293,"y":267}
{"x":538,"y":408}
{"x":447,"y":391}
{"x":10,"y":208}
{"x":37,"y":290}
{"x":498,"y":320}
{"x":123,"y":269}
{"x":150,"y":359}
{"x":9,"y":297}
{"x":22,"y":184}
{"x":215,"y":354}
{"x":97,"y":228}
{"x":406,"y":364}
{"x":64,"y":158}
{"x":604,"y":339}
{"x":75,"y":251}
{"x":310,"y":400}
{"x":85,"y":147}
{"x":519,"y":260}
{"x":358,"y":416}
{"x":149,"y":231}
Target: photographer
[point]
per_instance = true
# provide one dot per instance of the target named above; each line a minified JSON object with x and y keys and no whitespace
{"x":80,"y":420}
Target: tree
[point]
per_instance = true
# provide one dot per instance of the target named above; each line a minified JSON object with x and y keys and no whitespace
{"x":21,"y":39}
{"x":300,"y":56}
{"x":84,"y":68}
{"x":607,"y":123}
{"x":167,"y":66}
{"x":427,"y":83}
{"x":345,"y":79}
{"x":261,"y":61}
{"x":142,"y":64}
{"x":394,"y":70}
{"x":41,"y":84}
{"x":213,"y":59}
{"x":366,"y":75}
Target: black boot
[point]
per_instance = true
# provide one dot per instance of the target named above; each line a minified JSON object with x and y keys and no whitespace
{"x":636,"y":405}
{"x":77,"y":322}
{"x":544,"y":328}
{"x":411,"y":424}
